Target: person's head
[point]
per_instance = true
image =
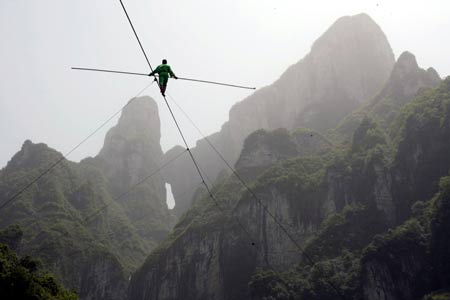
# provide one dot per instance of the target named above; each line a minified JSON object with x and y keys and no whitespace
{"x":164,"y":61}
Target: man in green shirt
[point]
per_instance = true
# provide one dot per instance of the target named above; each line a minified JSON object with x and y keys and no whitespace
{"x":163,"y":71}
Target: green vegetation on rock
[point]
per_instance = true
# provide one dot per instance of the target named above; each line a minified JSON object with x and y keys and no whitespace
{"x":23,"y":278}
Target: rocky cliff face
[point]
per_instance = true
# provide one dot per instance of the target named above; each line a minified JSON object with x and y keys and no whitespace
{"x":365,"y":177}
{"x":77,"y":220}
{"x":216,"y":247}
{"x":334,"y":205}
{"x":412,"y":260}
{"x":263,"y":149}
{"x":406,"y":79}
{"x":131,"y":152}
{"x":131,"y":149}
{"x":425,"y":135}
{"x":347,"y":66}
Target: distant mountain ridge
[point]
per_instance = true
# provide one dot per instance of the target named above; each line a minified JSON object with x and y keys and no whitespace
{"x":346,"y":67}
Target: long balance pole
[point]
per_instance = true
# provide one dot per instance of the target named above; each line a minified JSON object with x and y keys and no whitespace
{"x":180,"y":78}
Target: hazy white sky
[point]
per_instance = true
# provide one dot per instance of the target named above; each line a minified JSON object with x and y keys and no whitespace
{"x":248,"y":42}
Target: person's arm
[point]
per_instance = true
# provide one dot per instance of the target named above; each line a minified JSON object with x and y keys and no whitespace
{"x":172,"y":74}
{"x":154,"y":71}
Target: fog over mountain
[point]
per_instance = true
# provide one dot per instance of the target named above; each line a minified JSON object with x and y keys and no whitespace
{"x":43,"y":100}
{"x":331,"y":182}
{"x":346,"y":67}
{"x":78,"y":220}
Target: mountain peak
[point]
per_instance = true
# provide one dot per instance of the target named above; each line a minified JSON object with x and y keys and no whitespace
{"x":138,"y":116}
{"x":139,"y":122}
{"x":407,"y":78}
{"x":132,"y":147}
{"x":433,"y":73}
{"x":406,"y":63}
{"x":360,"y":28}
{"x":32,"y":156}
{"x":27,"y":144}
{"x":347,"y":66}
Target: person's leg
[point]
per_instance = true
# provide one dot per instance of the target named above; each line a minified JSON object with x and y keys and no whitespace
{"x":163,"y":83}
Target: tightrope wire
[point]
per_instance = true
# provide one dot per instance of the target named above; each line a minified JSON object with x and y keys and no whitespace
{"x":179,"y":78}
{"x":180,"y":131}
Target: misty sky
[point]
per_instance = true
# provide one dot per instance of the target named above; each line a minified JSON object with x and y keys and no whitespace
{"x":249,"y":42}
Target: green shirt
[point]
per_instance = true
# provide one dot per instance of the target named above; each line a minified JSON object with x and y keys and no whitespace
{"x":164,"y":70}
